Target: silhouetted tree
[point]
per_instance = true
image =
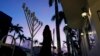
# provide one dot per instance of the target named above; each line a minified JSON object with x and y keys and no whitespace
{"x":57,"y":24}
{"x":47,"y":38}
{"x":21,"y":37}
{"x":16,"y":28}
{"x":61,"y":17}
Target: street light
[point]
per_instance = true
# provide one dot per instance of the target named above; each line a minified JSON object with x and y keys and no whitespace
{"x":84,"y":14}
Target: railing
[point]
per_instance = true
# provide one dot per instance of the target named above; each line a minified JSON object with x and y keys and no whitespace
{"x":10,"y":46}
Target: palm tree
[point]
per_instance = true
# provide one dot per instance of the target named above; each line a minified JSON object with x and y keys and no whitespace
{"x":61,"y":17}
{"x":21,"y":37}
{"x":15,"y":28}
{"x":18,"y":28}
{"x":57,"y":24}
{"x":58,"y":17}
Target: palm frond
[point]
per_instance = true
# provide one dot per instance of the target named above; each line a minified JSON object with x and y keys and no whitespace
{"x":21,"y":36}
{"x":50,"y":2}
{"x":53,"y":18}
{"x":18,"y":28}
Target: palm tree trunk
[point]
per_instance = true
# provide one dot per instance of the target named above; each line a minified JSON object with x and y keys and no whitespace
{"x":13,"y":38}
{"x":13,"y":41}
{"x":20,"y":43}
{"x":57,"y":28}
{"x":68,"y":44}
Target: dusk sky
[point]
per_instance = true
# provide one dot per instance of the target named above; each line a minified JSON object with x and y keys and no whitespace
{"x":42,"y":11}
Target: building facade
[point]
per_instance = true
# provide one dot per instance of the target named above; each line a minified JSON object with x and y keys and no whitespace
{"x":90,"y":24}
{"x":5,"y":22}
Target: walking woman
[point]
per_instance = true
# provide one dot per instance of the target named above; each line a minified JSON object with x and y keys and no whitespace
{"x":47,"y":38}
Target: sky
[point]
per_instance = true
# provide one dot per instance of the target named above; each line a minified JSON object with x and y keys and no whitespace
{"x":42,"y":11}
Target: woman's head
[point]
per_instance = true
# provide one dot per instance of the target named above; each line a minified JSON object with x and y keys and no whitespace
{"x":46,"y":30}
{"x":47,"y":27}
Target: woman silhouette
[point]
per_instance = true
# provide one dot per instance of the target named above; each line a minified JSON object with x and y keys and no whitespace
{"x":46,"y":48}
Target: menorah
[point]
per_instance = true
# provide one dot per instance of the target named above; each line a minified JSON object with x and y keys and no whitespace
{"x":33,"y":23}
